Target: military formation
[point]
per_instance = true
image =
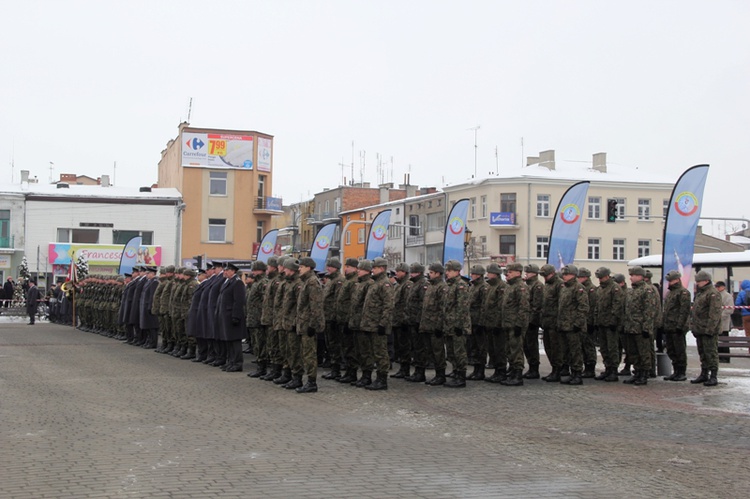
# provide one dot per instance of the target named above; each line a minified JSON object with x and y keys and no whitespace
{"x":361,"y":318}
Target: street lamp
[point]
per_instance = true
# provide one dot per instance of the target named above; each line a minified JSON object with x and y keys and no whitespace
{"x":467,"y":252}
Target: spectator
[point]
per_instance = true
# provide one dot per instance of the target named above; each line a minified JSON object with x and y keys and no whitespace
{"x":8,"y":289}
{"x":32,"y":301}
{"x":740,"y":302}
{"x":726,"y":316}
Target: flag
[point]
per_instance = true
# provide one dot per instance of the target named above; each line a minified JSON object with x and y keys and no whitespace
{"x":683,"y":215}
{"x":73,"y":271}
{"x":321,"y":244}
{"x":377,"y":235}
{"x":563,"y":237}
{"x":455,"y":226}
{"x":267,"y":246}
{"x":129,"y":256}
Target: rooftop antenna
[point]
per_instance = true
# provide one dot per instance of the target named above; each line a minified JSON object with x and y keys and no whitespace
{"x":391,"y":168}
{"x":12,"y":161}
{"x":190,"y":110}
{"x":114,"y":174}
{"x":352,"y":177}
{"x":362,"y":158}
{"x":497,"y":163}
{"x":475,"y":128}
{"x":342,"y":165}
{"x":379,"y":168}
{"x":51,"y":175}
{"x":522,"y":165}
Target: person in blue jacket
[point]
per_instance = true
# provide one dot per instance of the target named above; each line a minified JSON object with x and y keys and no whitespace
{"x":741,"y":301}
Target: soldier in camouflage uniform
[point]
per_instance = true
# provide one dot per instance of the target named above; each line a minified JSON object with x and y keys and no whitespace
{"x":333,"y":332}
{"x":288,"y":315}
{"x":573,"y":309}
{"x":161,"y":303}
{"x":359,"y":293}
{"x":162,"y":281}
{"x":705,"y":323}
{"x":343,"y":314}
{"x":610,"y":303}
{"x":492,"y":320}
{"x":178,"y":324}
{"x":531,"y":338}
{"x":431,"y":325}
{"x":117,"y":292}
{"x":515,"y":321}
{"x":253,"y":313}
{"x":675,"y":325}
{"x":189,"y":287}
{"x":639,"y":316}
{"x":550,"y":298}
{"x":657,"y":323}
{"x":273,"y":278}
{"x":588,"y":338}
{"x":476,"y":343}
{"x":413,"y":316}
{"x":377,"y":314}
{"x":456,"y":325}
{"x":400,"y":327}
{"x":311,"y":320}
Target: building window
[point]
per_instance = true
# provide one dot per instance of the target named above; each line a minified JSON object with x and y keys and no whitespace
{"x":217,"y":230}
{"x":218,"y":183}
{"x":542,"y":246}
{"x":414,"y":228}
{"x":644,"y":209}
{"x":508,"y":245}
{"x":361,"y":236}
{"x":508,"y":202}
{"x":5,"y":229}
{"x":440,"y":202}
{"x":618,"y":249}
{"x":665,"y":208}
{"x":394,"y":232}
{"x":429,"y":204}
{"x":644,"y":247}
{"x":123,"y":236}
{"x":261,"y":186}
{"x":398,"y":210}
{"x":435,"y":222}
{"x":473,"y":209}
{"x":259,"y":232}
{"x":542,"y":205}
{"x":595,"y":207}
{"x":78,"y":236}
{"x":593,"y":248}
{"x":328,"y":207}
{"x":348,"y":236}
{"x":483,"y":245}
{"x":483,"y":206}
{"x":620,"y":208}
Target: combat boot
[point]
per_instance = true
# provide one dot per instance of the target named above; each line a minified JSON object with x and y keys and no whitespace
{"x":403,"y":372}
{"x":459,"y":381}
{"x":703,"y":377}
{"x":294,"y":383}
{"x":310,"y":387}
{"x":515,"y":378}
{"x":190,"y":354}
{"x":711,"y":381}
{"x":679,"y":374}
{"x":438,"y":379}
{"x":603,"y":375}
{"x":351,"y":375}
{"x":612,"y":375}
{"x":260,"y":371}
{"x":273,"y":373}
{"x":365,"y":380}
{"x":477,"y":374}
{"x":418,"y":376}
{"x":498,"y":376}
{"x":334,"y":373}
{"x":632,"y":378}
{"x":284,"y":378}
{"x":589,"y":371}
{"x":642,"y":379}
{"x":532,"y":373}
{"x":553,"y":377}
{"x":381,"y":382}
{"x":576,"y":378}
{"x":179,"y":353}
{"x":451,"y":374}
{"x":625,"y":371}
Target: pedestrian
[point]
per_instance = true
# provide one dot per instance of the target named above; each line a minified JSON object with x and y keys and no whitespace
{"x":311,"y":320}
{"x":531,"y":338}
{"x":516,"y":312}
{"x":32,"y":301}
{"x":492,"y":320}
{"x":456,"y":325}
{"x":550,"y":337}
{"x":253,"y":313}
{"x":431,"y":324}
{"x":230,"y":313}
{"x":9,"y":290}
{"x":727,"y":308}
{"x":343,"y":314}
{"x":364,"y":280}
{"x":588,"y":337}
{"x":375,"y":325}
{"x":414,"y":304}
{"x":675,"y":324}
{"x":743,"y":301}
{"x":705,"y":323}
{"x":400,"y":327}
{"x":610,"y":305}
{"x":476,"y":343}
{"x":640,"y":312}
{"x":333,"y":334}
{"x":573,"y":309}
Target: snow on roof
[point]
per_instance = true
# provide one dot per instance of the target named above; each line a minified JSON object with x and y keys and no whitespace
{"x":90,"y":191}
{"x":731,"y":258}
{"x":739,"y":239}
{"x":395,"y":202}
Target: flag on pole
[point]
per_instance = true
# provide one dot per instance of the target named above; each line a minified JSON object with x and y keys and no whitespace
{"x":377,"y":235}
{"x":321,"y":244}
{"x":129,"y":256}
{"x":563,"y":237}
{"x":453,"y":240}
{"x":267,"y":246}
{"x":73,"y":270}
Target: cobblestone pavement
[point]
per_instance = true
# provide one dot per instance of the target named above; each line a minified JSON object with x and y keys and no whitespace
{"x":86,"y":416}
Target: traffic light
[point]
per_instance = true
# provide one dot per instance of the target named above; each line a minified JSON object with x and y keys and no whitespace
{"x":611,"y":210}
{"x":198,"y":261}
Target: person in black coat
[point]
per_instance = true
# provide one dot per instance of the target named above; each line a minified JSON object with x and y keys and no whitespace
{"x":32,"y":301}
{"x":134,"y":319}
{"x":216,"y":347}
{"x":8,"y":289}
{"x":149,"y":322}
{"x":230,"y":314}
{"x":193,"y":322}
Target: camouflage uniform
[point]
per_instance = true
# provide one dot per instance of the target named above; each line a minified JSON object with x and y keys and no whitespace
{"x":253,"y":318}
{"x":377,"y":314}
{"x":639,"y":316}
{"x":705,"y":323}
{"x":310,"y":321}
{"x":188,"y":291}
{"x":401,"y":334}
{"x":675,"y":326}
{"x":413,"y":311}
{"x":550,"y":298}
{"x":343,"y":313}
{"x":476,"y":343}
{"x":610,"y":302}
{"x":492,"y":320}
{"x":165,"y":319}
{"x":333,"y":332}
{"x":431,"y":325}
{"x":515,"y":321}
{"x":274,"y":279}
{"x":355,"y":318}
{"x":288,"y":340}
{"x":531,"y":338}
{"x":573,"y":309}
{"x":588,"y":337}
{"x":456,"y":325}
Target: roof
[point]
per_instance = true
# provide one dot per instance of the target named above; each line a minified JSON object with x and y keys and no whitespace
{"x":728,"y":259}
{"x":396,"y":202}
{"x":51,"y":191}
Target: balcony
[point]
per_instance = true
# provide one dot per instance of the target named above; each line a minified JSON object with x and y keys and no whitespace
{"x":324,"y":217}
{"x":415,"y":240}
{"x":7,"y":242}
{"x":267,"y":205}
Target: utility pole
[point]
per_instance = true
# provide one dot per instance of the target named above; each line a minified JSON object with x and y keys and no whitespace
{"x":475,"y":128}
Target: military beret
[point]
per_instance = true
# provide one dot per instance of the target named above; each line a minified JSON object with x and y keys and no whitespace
{"x":291,"y":264}
{"x":273,"y":261}
{"x":351,"y":262}
{"x":601,"y":272}
{"x":637,"y":271}
{"x":672,"y":275}
{"x":307,"y":262}
{"x":531,"y":268}
{"x":364,"y":265}
{"x":494,"y":268}
{"x":619,"y":278}
{"x":416,"y":268}
{"x":570,"y":269}
{"x":453,"y":265}
{"x":402,"y":267}
{"x":190,"y":273}
{"x":477,"y":269}
{"x":259,"y":265}
{"x":380,"y":262}
{"x":547,"y":269}
{"x":437,"y":267}
{"x":584,"y":272}
{"x":333,"y":262}
{"x":703,"y":276}
{"x":514,"y":266}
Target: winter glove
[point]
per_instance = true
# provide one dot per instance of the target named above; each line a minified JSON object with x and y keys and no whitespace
{"x":517,"y":331}
{"x":235,"y":321}
{"x":381,"y":331}
{"x":439,"y":333}
{"x":310,"y":331}
{"x":645,"y":334}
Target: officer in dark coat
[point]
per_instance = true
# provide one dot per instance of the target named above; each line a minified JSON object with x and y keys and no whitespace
{"x":149,"y":322}
{"x":8,"y":288}
{"x":230,"y":317}
{"x":135,"y":309}
{"x":217,"y":354}
{"x":193,"y":325}
{"x":32,"y":301}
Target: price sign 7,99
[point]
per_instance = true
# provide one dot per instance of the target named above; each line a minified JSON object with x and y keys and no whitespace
{"x":217,"y":147}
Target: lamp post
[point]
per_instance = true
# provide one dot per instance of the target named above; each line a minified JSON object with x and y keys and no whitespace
{"x":467,"y":250}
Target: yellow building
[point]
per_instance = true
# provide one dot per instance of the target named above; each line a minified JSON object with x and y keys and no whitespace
{"x":225,"y":177}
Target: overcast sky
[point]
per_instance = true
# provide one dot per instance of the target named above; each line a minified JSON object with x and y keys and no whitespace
{"x":658,"y":85}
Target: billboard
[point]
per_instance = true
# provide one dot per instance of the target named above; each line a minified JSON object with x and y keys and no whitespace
{"x":101,"y":254}
{"x":264,"y":154}
{"x":502,"y":218}
{"x":218,"y":149}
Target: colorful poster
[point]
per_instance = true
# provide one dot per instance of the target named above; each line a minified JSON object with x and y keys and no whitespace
{"x":219,"y":150}
{"x":267,"y":246}
{"x":264,"y":154}
{"x":681,"y":224}
{"x":100,"y":254}
{"x":319,"y":250}
{"x":377,"y":235}
{"x":566,"y":225}
{"x":453,"y":241}
{"x":129,"y":258}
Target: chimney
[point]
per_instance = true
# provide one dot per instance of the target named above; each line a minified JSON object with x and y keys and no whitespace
{"x":24,"y":176}
{"x":104,"y":181}
{"x":532,"y":160}
{"x":384,"y":192}
{"x":600,"y":162}
{"x":547,"y":159}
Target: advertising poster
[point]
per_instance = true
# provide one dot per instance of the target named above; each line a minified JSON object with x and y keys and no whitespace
{"x":264,"y":154}
{"x":217,"y":150}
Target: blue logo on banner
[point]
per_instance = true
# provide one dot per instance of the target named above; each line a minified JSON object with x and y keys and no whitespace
{"x":502,"y":218}
{"x":273,"y":204}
